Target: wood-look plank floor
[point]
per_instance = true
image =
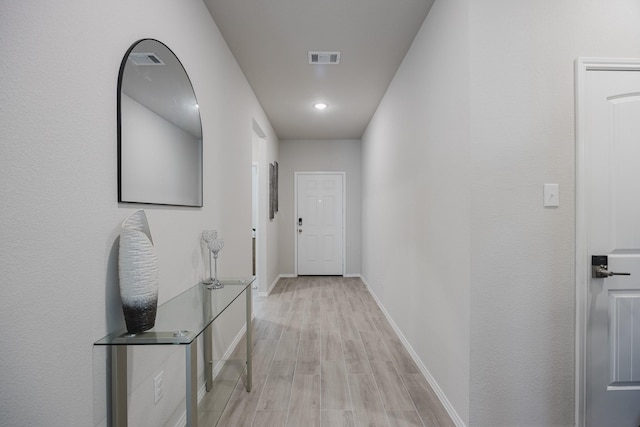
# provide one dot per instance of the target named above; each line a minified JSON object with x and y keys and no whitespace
{"x":324,"y":355}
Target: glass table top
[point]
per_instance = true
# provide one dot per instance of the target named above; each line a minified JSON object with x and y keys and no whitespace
{"x":183,"y":318}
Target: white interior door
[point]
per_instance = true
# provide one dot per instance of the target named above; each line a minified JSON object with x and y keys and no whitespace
{"x":609,"y":208}
{"x":319,"y":223}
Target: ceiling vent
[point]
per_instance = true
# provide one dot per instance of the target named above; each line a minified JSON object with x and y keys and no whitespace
{"x":140,"y":58}
{"x":318,"y":58}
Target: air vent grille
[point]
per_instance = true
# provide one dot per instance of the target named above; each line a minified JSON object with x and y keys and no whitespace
{"x":324,"y":58}
{"x":140,"y":58}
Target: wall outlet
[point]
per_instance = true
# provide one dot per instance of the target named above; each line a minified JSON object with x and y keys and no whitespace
{"x":158,"y":387}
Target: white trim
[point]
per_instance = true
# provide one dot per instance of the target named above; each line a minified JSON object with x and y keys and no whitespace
{"x":259,"y":138}
{"x":353,"y":275}
{"x":423,"y":369}
{"x":582,"y":65}
{"x":271,"y":286}
{"x":274,"y":283}
{"x":608,"y":64}
{"x":257,"y":129}
{"x":344,"y":215}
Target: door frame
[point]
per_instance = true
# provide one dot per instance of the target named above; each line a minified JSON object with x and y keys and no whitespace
{"x":344,"y":215}
{"x":582,"y":264}
{"x":259,"y":138}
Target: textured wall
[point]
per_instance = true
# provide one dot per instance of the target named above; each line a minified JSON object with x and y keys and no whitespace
{"x":58,"y":188}
{"x":416,"y":235}
{"x":522,"y":130}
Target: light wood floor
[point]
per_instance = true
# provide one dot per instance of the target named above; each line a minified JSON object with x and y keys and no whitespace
{"x":324,"y":355}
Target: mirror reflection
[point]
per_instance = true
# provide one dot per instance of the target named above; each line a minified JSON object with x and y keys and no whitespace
{"x":159,"y":129}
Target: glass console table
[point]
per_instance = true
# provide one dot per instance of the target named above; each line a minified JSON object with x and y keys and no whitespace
{"x":180,"y":321}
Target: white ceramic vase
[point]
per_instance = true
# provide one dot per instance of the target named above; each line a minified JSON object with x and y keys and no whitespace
{"x":139,"y":276}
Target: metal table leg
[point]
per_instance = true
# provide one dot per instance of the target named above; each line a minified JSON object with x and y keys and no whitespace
{"x":208,"y":358}
{"x":192,"y":383}
{"x":249,"y":339}
{"x":119,"y":385}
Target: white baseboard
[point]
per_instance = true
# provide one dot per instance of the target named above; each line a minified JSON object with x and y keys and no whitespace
{"x":275,"y":282}
{"x":423,"y":369}
{"x":354,"y":275}
{"x":272,"y":285}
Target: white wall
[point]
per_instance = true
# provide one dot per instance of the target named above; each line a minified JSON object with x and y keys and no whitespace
{"x":320,"y":155}
{"x":416,"y":237}
{"x":58,"y":185}
{"x":522,"y":133}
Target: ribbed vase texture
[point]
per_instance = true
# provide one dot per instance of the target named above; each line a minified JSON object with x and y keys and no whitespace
{"x":139,"y":276}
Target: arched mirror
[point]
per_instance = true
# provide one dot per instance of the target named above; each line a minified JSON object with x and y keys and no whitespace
{"x":159,"y":129}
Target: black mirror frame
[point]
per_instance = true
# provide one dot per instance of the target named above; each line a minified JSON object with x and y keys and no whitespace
{"x":119,"y":128}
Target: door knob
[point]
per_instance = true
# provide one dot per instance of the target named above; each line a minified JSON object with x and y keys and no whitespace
{"x":599,"y":266}
{"x":299,"y":230}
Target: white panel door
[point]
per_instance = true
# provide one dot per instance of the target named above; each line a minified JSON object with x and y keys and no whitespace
{"x":612,"y":212}
{"x":319,"y":223}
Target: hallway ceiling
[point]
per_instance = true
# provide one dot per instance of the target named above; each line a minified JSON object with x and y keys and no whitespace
{"x":270,"y":41}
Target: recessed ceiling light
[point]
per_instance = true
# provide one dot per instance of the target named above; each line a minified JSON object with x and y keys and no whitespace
{"x":320,"y":105}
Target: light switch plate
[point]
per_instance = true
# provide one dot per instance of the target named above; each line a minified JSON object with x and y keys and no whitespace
{"x":551,"y":195}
